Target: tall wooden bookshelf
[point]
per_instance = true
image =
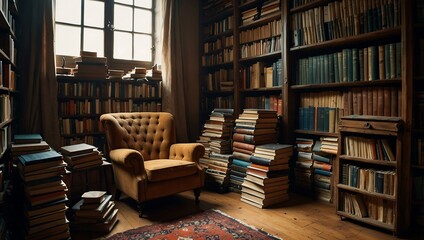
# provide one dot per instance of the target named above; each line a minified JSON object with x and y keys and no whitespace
{"x":246,"y":52}
{"x":83,"y":100}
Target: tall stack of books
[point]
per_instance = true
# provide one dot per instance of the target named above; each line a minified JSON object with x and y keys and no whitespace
{"x":94,"y":212}
{"x":81,"y":156}
{"x":216,"y":138}
{"x":322,"y":167}
{"x":45,"y":195}
{"x":253,"y":127}
{"x":267,"y":178}
{"x":90,"y":66}
{"x":304,"y":162}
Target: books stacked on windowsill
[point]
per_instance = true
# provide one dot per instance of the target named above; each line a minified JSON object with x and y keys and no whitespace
{"x":89,"y":65}
{"x":216,"y":138}
{"x":304,"y":162}
{"x":136,"y":73}
{"x":94,"y":212}
{"x":81,"y":156}
{"x":45,"y":195}
{"x":267,"y":177}
{"x":253,"y":127}
{"x":322,"y":167}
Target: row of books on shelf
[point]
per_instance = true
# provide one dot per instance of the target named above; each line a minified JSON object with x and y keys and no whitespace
{"x":261,"y":75}
{"x":7,"y":45}
{"x":4,"y":139}
{"x":344,"y":18}
{"x":212,"y":7}
{"x":322,"y":119}
{"x":370,"y":148}
{"x":6,"y":8}
{"x":264,"y":10}
{"x":261,"y":47}
{"x":110,"y":89}
{"x":219,"y":102}
{"x":95,"y":106}
{"x":371,"y":180}
{"x":6,"y":107}
{"x":224,"y":56}
{"x":362,"y":206}
{"x":219,"y":27}
{"x":351,"y":65}
{"x":220,"y":80}
{"x":268,"y":30}
{"x":218,"y":44}
{"x":7,"y":76}
{"x":79,"y":126}
{"x":272,"y":102}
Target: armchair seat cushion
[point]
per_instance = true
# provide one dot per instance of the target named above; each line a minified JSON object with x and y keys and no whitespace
{"x":165,"y":169}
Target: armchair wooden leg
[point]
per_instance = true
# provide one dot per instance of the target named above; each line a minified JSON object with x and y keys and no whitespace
{"x":117,"y":194}
{"x":140,"y":209}
{"x":197,"y":195}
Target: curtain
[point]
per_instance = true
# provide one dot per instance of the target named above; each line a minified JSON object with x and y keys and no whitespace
{"x":180,"y":56}
{"x":37,"y":86}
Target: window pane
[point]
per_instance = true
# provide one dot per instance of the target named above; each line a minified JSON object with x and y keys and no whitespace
{"x":122,"y":45}
{"x":142,"y":21}
{"x":142,"y":47}
{"x":68,"y":11}
{"x":143,"y":3}
{"x":68,"y":40}
{"x":94,"y":41}
{"x":94,"y":13}
{"x":123,"y":18}
{"x":129,"y":2}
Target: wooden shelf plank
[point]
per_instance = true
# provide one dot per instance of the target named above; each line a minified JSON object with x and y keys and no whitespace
{"x":262,"y":90}
{"x":276,"y":54}
{"x":384,"y":82}
{"x":366,"y":160}
{"x":367,"y":220}
{"x":316,"y":133}
{"x":372,"y":194}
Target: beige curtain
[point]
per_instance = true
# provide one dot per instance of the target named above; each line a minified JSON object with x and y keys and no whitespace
{"x":181,"y":66}
{"x":38,"y":107}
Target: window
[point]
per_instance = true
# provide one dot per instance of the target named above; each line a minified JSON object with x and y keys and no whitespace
{"x":121,"y":30}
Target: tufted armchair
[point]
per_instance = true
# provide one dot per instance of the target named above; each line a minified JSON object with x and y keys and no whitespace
{"x":146,"y":162}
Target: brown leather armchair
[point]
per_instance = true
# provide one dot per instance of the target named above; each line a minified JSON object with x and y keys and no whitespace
{"x":147,"y":164}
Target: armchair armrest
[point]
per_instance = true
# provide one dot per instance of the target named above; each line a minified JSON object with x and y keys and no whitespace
{"x":187,"y":151}
{"x":128,"y":158}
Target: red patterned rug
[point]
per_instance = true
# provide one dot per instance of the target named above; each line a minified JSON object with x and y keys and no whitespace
{"x":210,"y":224}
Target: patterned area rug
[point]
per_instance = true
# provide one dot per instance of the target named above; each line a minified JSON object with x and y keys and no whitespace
{"x":210,"y":224}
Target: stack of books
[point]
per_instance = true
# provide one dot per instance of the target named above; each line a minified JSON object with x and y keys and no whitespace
{"x":154,"y":73}
{"x":267,"y":178}
{"x":90,"y":66}
{"x":113,"y":73}
{"x":137,"y":72}
{"x":329,"y":145}
{"x":304,"y":162}
{"x":45,"y":195}
{"x":26,"y":144}
{"x":216,"y":138}
{"x":252,"y":127}
{"x":94,"y":212}
{"x":322,"y":173}
{"x":81,"y":156}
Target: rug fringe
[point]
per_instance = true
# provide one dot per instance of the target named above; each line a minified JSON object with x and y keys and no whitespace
{"x":245,"y":224}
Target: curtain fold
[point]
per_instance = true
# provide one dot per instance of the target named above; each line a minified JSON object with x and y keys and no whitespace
{"x":38,"y":105}
{"x":180,"y":57}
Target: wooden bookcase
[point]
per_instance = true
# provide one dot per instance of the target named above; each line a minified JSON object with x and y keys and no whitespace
{"x":368,"y":171}
{"x":234,"y":48}
{"x":82,"y":101}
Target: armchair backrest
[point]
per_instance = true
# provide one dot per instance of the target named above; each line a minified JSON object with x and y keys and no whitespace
{"x":151,"y":133}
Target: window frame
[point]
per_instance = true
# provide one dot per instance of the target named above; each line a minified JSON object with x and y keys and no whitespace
{"x":108,"y":31}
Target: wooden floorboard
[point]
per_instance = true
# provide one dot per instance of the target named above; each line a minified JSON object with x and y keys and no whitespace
{"x":298,"y":218}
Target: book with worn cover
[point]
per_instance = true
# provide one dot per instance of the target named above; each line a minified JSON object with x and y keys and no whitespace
{"x":27,"y":138}
{"x":77,"y":149}
{"x":41,"y":157}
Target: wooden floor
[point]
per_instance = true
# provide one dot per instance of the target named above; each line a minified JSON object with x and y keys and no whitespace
{"x":299,"y":218}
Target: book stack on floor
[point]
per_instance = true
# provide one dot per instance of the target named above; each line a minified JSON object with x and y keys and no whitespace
{"x":216,"y":138}
{"x":90,"y":66}
{"x":253,"y":127}
{"x":267,"y":178}
{"x":322,"y":167}
{"x":26,"y":144}
{"x":81,"y":156}
{"x":304,"y":162}
{"x":45,"y":196}
{"x":94,"y":212}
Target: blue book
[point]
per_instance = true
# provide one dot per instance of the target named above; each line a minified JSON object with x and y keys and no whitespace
{"x":41,"y":157}
{"x":27,"y":138}
{"x":241,"y":163}
{"x":320,"y":158}
{"x":322,"y":172}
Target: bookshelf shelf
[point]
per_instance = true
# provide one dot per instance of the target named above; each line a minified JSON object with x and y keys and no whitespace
{"x":396,"y":81}
{"x":363,"y":192}
{"x":217,"y":36}
{"x":309,"y":5}
{"x":371,"y":161}
{"x":262,"y":90}
{"x":260,"y":57}
{"x":315,"y":133}
{"x":367,"y":220}
{"x":259,"y":39}
{"x":261,"y":21}
{"x":352,"y":40}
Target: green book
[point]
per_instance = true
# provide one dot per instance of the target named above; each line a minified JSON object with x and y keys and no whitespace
{"x":398,"y":60}
{"x":355,"y":65}
{"x":374,"y":63}
{"x":331,"y":77}
{"x":326,"y":74}
{"x":349,"y":65}
{"x":340,"y":65}
{"x":345,"y":65}
{"x":387,"y":60}
{"x":392,"y":53}
{"x":336,"y":68}
{"x":361,"y":64}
